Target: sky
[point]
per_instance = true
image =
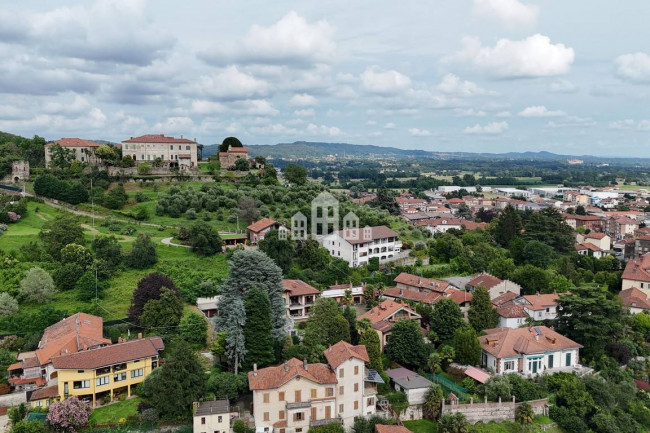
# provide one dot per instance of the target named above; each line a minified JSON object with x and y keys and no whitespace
{"x":570,"y":77}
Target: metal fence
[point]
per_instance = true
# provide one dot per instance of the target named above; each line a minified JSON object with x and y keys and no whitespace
{"x":448,"y":385}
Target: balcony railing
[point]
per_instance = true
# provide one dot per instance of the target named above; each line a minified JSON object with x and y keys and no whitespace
{"x":298,"y":405}
{"x":319,"y":422}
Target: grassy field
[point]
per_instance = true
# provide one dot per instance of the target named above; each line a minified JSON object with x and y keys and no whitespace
{"x":112,"y":413}
{"x":421,"y":426}
{"x":511,"y":427}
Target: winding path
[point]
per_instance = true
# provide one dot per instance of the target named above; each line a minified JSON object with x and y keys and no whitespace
{"x":168,"y":241}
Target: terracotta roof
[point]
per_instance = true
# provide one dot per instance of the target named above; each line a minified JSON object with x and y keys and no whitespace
{"x":75,"y":142}
{"x":505,"y":342}
{"x":376,"y":232}
{"x":455,"y":201}
{"x":49,"y":392}
{"x":637,"y":269}
{"x":299,"y":288}
{"x":477,"y":374}
{"x":274,"y":377}
{"x":342,"y":351}
{"x":626,"y":220}
{"x":485,"y":280}
{"x":502,"y":299}
{"x":587,"y":246}
{"x":157,"y":138}
{"x":458,"y":296}
{"x":471,"y":225}
{"x":15,"y":366}
{"x":73,"y":334}
{"x":404,"y":200}
{"x":594,"y":235}
{"x":440,"y":221}
{"x":581,"y":217}
{"x":511,"y":310}
{"x":422,"y":283}
{"x":260,"y":225}
{"x":238,"y":150}
{"x":427,"y":297}
{"x":386,"y":310}
{"x":110,"y":355}
{"x":635,"y":298}
{"x":540,"y":301}
{"x":380,"y":428}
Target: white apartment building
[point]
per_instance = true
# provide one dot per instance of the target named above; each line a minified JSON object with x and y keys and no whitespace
{"x":294,"y":396}
{"x":173,"y":152}
{"x":358,"y":246}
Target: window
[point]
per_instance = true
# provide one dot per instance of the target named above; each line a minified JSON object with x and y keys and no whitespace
{"x":142,"y":156}
{"x":509,"y":365}
{"x":341,"y":373}
{"x":137,"y":373}
{"x":298,"y":397}
{"x":370,"y":401}
{"x":266,"y":397}
{"x":202,"y":420}
{"x":266,"y":416}
{"x":329,"y":392}
{"x":356,"y":387}
{"x":298,"y":416}
{"x":299,"y":430}
{"x":356,"y":370}
{"x":281,"y":414}
{"x":219,"y":418}
{"x":119,"y":377}
{"x":314,"y":393}
{"x":171,"y":147}
{"x":81,"y":384}
{"x":281,"y":396}
{"x":568,"y":359}
{"x":101,"y":371}
{"x":356,"y":405}
{"x":154,"y":364}
{"x":341,"y":389}
{"x":341,"y":408}
{"x":187,"y":147}
{"x":100,"y":381}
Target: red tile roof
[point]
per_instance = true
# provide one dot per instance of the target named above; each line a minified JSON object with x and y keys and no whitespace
{"x":540,"y":301}
{"x":110,"y":355}
{"x":485,"y":280}
{"x":342,"y":351}
{"x":275,"y":377}
{"x":459,"y":296}
{"x":428,"y":297}
{"x":637,"y":269}
{"x":422,"y":283}
{"x":376,"y":232}
{"x":504,"y":342}
{"x":73,"y":334}
{"x":157,"y":138}
{"x":386,"y":310}
{"x":634,"y":298}
{"x":594,"y":235}
{"x":587,"y":246}
{"x":299,"y":288}
{"x":49,"y":392}
{"x":260,"y":225}
{"x":511,"y":310}
{"x":76,"y":142}
{"x":502,"y":299}
{"x":237,"y":150}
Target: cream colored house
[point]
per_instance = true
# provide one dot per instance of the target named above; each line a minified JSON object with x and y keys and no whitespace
{"x":82,"y":150}
{"x":294,"y":396}
{"x":173,"y":152}
{"x":212,"y":417}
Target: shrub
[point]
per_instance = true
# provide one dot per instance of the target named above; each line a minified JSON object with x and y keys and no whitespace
{"x":143,"y":255}
{"x":69,"y":415}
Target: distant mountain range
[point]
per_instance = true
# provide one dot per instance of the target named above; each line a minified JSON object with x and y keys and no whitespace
{"x":304,"y":149}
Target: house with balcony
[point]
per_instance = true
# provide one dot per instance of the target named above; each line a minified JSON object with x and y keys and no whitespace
{"x":528,"y":351}
{"x":299,"y":298}
{"x":296,"y":395}
{"x":339,"y":292}
{"x":358,"y":246}
{"x":107,"y":371}
{"x":172,"y":152}
{"x":385,"y":315}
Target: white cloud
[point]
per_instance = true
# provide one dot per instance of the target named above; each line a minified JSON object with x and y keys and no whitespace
{"x":562,"y":86}
{"x":490,"y":128}
{"x":540,"y":111}
{"x":375,"y":134}
{"x":208,"y":107}
{"x":322,"y":130}
{"x":302,"y":100}
{"x":416,"y":132}
{"x":389,"y":125}
{"x":291,"y":41}
{"x":469,"y":112}
{"x":644,"y":125}
{"x":571,"y":121}
{"x":274,"y":129}
{"x":622,"y":124}
{"x":174,"y":125}
{"x":452,"y":85}
{"x":381,"y":82}
{"x":511,"y":13}
{"x":229,"y":84}
{"x":307,"y":112}
{"x":503,"y":114}
{"x":78,"y":106}
{"x":634,"y":67}
{"x":534,"y":56}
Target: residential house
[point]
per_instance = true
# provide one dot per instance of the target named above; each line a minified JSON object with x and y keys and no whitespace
{"x":637,"y":274}
{"x":107,"y":371}
{"x":620,"y":227}
{"x":460,"y":297}
{"x":44,"y":397}
{"x":414,"y":386}
{"x":405,"y":203}
{"x":299,"y":298}
{"x":172,"y":152}
{"x":296,"y":395}
{"x":212,"y":416}
{"x":414,"y":282}
{"x":339,"y":292}
{"x":638,"y":246}
{"x":82,"y":150}
{"x":511,"y":313}
{"x":635,"y":300}
{"x":358,"y":247}
{"x":589,"y":249}
{"x":540,"y":306}
{"x":258,"y":229}
{"x":589,"y":222}
{"x":601,"y":240}
{"x":495,"y":286}
{"x":73,"y":334}
{"x":230,"y":157}
{"x":528,"y":351}
{"x":385,"y":315}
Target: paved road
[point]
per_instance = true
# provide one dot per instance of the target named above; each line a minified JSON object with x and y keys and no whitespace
{"x":168,"y":241}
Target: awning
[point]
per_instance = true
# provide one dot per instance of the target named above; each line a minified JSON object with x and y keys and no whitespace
{"x":478,"y":375}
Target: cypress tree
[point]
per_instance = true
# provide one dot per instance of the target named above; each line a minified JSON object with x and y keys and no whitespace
{"x":467,"y":349}
{"x":258,"y":338}
{"x":482,"y":314}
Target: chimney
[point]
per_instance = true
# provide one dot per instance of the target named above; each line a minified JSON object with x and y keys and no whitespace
{"x":255,"y":370}
{"x":304,"y":364}
{"x":139,"y":335}
{"x":286,"y":365}
{"x":401,"y":291}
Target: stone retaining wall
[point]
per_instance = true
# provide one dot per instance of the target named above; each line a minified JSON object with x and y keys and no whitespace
{"x":498,"y":412}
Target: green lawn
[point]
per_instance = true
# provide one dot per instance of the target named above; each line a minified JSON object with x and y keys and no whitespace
{"x":112,"y":413}
{"x":421,"y":426}
{"x":511,"y":427}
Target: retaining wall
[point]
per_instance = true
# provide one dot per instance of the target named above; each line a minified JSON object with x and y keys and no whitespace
{"x":498,"y":412}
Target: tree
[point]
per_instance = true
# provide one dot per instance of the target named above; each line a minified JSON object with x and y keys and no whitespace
{"x":162,"y":313}
{"x":326,"y":325}
{"x":116,"y":198}
{"x":269,"y":174}
{"x":17,"y":413}
{"x":295,"y":174}
{"x":467,"y":347}
{"x":67,"y":276}
{"x":205,"y":240}
{"x":88,"y":288}
{"x":502,"y":268}
{"x":508,"y":226}
{"x":333,"y":427}
{"x":433,"y":402}
{"x":194,"y":329}
{"x":446,"y":318}
{"x":257,"y":332}
{"x":128,"y":162}
{"x":482,"y":314}
{"x":242,"y":164}
{"x":143,"y":254}
{"x":180,"y":381}
{"x":549,"y":227}
{"x":144,"y":169}
{"x":248,"y":210}
{"x":108,"y":249}
{"x":370,"y":339}
{"x":497,"y":387}
{"x":524,"y":413}
{"x":149,"y":288}
{"x":76,"y":254}
{"x":367,"y":424}
{"x":538,"y":254}
{"x":69,"y":415}
{"x":8,"y":305}
{"x":37,"y":286}
{"x":406,"y":344}
{"x":531,"y":279}
{"x":280,"y":250}
{"x":229,"y":142}
{"x":447,"y":355}
{"x":228,"y":385}
{"x":59,"y":232}
{"x":61,"y":157}
{"x":456,"y":423}
{"x":386,"y":201}
{"x":351,"y":316}
{"x":106,"y":153}
{"x":25,"y":426}
{"x":434,"y":362}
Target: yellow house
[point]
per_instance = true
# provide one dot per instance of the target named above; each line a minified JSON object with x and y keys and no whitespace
{"x":44,"y":397}
{"x":107,"y":371}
